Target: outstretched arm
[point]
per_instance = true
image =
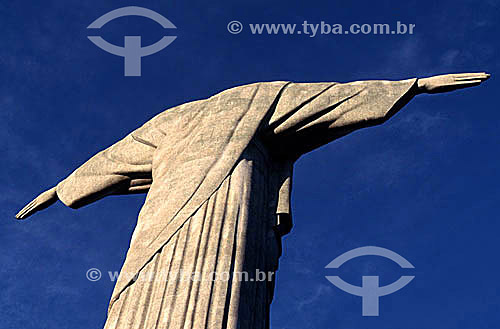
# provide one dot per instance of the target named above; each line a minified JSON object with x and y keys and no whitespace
{"x":309,"y":115}
{"x":123,"y":168}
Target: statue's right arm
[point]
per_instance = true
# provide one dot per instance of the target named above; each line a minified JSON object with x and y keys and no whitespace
{"x":123,"y":168}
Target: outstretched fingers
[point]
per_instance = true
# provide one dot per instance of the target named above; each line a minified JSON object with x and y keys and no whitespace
{"x":27,"y":210}
{"x":471,"y":76}
{"x":41,"y":202}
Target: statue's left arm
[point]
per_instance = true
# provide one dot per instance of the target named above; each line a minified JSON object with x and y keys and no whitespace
{"x":309,"y":115}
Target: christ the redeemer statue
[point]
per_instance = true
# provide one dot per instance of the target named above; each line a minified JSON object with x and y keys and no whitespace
{"x":217,"y":173}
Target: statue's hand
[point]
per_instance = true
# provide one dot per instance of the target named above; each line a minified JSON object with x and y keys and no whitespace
{"x":41,"y":202}
{"x":449,"y":82}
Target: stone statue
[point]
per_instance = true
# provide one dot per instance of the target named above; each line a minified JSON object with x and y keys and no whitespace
{"x":217,"y":173}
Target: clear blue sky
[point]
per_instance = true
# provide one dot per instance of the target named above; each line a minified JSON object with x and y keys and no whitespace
{"x":425,"y":184}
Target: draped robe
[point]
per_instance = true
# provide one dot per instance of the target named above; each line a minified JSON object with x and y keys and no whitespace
{"x":217,"y":172}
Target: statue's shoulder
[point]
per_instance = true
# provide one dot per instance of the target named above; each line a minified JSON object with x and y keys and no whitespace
{"x":239,"y":91}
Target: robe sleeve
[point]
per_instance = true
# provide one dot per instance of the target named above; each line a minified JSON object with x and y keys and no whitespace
{"x":309,"y":115}
{"x":123,"y":168}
